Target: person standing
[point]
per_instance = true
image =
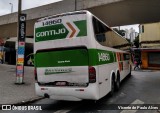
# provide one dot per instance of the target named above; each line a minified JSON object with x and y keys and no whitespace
{"x":137,"y":64}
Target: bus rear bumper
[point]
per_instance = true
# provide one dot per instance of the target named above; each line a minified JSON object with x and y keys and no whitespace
{"x":68,"y":93}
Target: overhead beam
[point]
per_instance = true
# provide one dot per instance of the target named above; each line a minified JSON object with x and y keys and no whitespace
{"x":112,"y":12}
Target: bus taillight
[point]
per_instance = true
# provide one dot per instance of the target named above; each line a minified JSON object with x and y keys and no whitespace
{"x":92,"y":75}
{"x":35,"y":73}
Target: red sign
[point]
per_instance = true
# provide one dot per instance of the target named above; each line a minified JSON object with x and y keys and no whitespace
{"x":21,"y":43}
{"x":19,"y":67}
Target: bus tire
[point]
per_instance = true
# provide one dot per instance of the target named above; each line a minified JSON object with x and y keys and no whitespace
{"x":117,"y":84}
{"x":129,"y":75}
{"x":112,"y":85}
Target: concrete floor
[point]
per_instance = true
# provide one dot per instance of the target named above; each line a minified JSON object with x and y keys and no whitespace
{"x":141,"y":89}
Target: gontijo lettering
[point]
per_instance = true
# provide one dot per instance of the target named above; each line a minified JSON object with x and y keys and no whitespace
{"x":51,"y":32}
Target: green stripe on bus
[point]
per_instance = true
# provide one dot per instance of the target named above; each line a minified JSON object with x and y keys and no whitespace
{"x":79,"y":57}
{"x":59,"y":31}
{"x":62,"y":58}
{"x":100,"y":57}
{"x":82,"y":26}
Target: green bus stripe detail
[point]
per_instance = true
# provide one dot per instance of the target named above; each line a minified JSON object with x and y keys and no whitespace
{"x":78,"y":57}
{"x":93,"y":57}
{"x":115,"y":57}
{"x":100,"y":57}
{"x":82,"y":26}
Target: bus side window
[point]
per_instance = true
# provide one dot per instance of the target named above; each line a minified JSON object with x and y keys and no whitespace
{"x":100,"y":29}
{"x":101,"y":37}
{"x":126,"y":56}
{"x":108,"y":37}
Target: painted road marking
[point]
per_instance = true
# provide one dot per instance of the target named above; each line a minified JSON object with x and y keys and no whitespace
{"x":62,"y":111}
{"x":66,"y":111}
{"x":137,"y":101}
{"x":158,"y":111}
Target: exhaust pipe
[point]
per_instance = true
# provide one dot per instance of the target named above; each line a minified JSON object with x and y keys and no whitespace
{"x":46,"y":95}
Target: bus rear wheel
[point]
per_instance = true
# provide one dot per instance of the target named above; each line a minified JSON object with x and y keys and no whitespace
{"x":112,"y":86}
{"x":129,"y":75}
{"x":117,"y":83}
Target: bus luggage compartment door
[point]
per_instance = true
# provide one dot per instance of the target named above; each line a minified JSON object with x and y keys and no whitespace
{"x":67,"y":67}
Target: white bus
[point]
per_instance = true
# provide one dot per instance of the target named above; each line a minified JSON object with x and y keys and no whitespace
{"x":77,"y":56}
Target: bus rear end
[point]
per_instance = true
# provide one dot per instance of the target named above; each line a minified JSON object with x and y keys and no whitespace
{"x":62,"y":58}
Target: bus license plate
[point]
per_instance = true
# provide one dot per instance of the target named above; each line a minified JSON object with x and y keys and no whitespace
{"x":60,"y":83}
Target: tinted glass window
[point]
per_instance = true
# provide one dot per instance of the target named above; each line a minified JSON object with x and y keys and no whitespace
{"x":107,"y":37}
{"x":126,"y":56}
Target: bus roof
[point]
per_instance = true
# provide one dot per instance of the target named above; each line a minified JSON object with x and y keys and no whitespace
{"x":64,"y":14}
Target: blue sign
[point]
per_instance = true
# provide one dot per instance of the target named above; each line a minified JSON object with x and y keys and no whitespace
{"x":21,"y":50}
{"x":19,"y":71}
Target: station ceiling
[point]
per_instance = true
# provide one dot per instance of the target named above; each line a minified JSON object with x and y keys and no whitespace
{"x":123,"y":12}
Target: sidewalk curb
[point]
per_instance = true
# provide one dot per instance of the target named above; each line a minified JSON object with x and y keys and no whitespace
{"x":24,"y":102}
{"x":28,"y":101}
